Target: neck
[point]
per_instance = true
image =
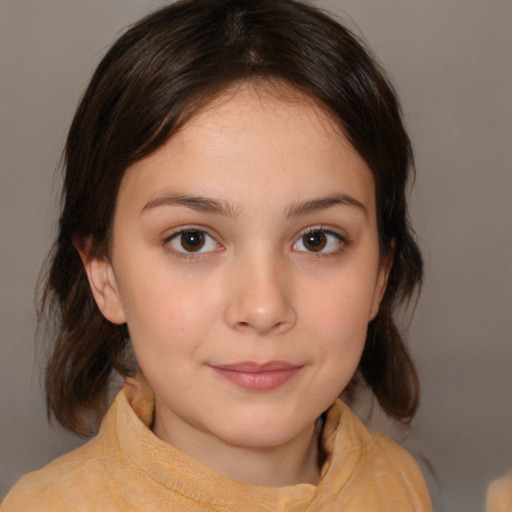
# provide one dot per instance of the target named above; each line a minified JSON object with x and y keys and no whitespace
{"x":293,"y":462}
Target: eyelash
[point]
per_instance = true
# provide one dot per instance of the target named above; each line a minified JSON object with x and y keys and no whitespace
{"x":341,"y":241}
{"x":191,"y":254}
{"x":326,"y":233}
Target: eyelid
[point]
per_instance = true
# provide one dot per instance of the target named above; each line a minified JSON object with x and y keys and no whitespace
{"x":191,"y":228}
{"x":343,"y":240}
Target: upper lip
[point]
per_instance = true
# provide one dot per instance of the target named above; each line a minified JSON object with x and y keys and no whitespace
{"x":256,"y":367}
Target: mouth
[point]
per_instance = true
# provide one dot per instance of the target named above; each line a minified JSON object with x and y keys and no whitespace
{"x":254,"y":376}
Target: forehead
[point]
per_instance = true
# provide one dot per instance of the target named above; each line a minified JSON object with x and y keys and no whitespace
{"x":272,"y":136}
{"x":240,"y":106}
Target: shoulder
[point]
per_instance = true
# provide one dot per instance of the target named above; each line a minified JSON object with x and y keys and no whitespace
{"x":384,"y":468}
{"x":399,"y":473}
{"x":91,"y":474}
{"x":375,"y":445}
{"x":48,"y":489}
{"x":392,"y":457}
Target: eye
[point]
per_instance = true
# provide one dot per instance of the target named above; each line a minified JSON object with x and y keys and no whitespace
{"x":319,"y":240}
{"x":192,"y":241}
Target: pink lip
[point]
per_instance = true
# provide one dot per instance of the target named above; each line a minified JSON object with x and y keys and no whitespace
{"x":258,"y":376}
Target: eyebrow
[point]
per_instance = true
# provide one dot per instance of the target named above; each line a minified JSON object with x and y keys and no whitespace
{"x":198,"y":203}
{"x":221,"y":207}
{"x":323,"y":203}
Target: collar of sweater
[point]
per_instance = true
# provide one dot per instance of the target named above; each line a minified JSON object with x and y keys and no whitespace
{"x":127,"y":434}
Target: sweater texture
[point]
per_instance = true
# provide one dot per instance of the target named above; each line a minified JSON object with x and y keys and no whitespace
{"x":127,"y":468}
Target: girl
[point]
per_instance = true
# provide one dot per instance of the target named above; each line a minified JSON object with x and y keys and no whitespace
{"x":234,"y":242}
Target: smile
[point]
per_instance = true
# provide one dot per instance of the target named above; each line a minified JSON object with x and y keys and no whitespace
{"x":258,"y":377}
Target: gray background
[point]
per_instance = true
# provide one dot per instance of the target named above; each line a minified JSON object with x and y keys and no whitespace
{"x":452,"y":63}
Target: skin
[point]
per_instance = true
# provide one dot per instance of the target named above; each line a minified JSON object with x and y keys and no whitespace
{"x":253,"y":172}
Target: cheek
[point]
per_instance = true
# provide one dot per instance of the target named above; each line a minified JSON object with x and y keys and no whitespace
{"x":342,"y":306}
{"x":338,"y":322}
{"x":164,"y":311}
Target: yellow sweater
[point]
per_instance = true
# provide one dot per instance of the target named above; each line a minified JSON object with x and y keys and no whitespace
{"x":127,"y":468}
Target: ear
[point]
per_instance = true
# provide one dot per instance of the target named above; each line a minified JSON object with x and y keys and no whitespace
{"x":103,"y":286}
{"x":382,"y":280}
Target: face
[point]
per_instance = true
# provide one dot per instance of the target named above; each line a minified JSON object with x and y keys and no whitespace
{"x":245,"y":262}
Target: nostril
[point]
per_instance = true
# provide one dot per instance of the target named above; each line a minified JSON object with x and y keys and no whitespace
{"x":281,"y":326}
{"x":277,"y":327}
{"x":263,"y":312}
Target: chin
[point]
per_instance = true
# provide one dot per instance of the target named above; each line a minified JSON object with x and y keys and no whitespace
{"x":259,"y":433}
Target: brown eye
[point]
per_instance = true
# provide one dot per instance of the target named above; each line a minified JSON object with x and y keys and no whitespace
{"x":314,"y":241}
{"x":320,"y":241}
{"x":192,"y":241}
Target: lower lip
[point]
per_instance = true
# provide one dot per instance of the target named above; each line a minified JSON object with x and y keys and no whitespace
{"x":258,"y":381}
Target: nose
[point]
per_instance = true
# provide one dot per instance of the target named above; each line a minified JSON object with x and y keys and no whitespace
{"x":260,"y":298}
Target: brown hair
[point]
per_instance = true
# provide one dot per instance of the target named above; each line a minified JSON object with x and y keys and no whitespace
{"x":161,"y":71}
